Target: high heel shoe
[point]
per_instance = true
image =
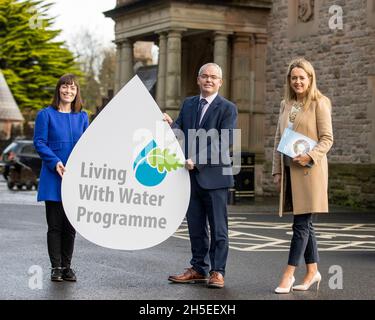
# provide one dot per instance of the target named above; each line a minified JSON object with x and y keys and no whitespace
{"x":286,"y":290}
{"x":304,"y":287}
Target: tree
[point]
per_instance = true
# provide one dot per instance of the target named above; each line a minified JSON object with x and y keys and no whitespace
{"x":97,"y":64}
{"x":107,"y":71}
{"x":88,"y":50}
{"x":30,"y":59}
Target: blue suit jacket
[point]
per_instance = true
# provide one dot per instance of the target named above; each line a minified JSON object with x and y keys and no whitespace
{"x":221,"y":114}
{"x":55,"y":135}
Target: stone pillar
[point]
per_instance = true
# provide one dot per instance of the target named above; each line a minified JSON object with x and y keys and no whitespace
{"x":173,"y":76}
{"x":221,"y":58}
{"x":127,"y":63}
{"x":258,"y":113}
{"x":162,"y":70}
{"x":252,"y":72}
{"x":186,"y":47}
{"x":240,"y":71}
{"x":118,"y":67}
{"x":240,"y":85}
{"x":257,"y":122}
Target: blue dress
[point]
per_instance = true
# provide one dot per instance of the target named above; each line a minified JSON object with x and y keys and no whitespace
{"x":55,"y":135}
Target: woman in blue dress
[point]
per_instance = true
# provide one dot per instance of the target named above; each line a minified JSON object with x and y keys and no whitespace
{"x":57,"y":129}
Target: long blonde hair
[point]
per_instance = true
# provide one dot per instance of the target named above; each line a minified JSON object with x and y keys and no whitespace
{"x":313,"y":94}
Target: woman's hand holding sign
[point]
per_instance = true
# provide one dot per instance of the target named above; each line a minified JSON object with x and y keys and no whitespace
{"x":60,"y":169}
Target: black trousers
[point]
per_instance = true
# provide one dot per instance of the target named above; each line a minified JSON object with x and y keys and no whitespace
{"x":60,"y":235}
{"x":303,"y":242}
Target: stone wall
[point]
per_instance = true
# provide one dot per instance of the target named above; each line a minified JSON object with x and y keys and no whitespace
{"x":345,"y":67}
{"x":352,"y":184}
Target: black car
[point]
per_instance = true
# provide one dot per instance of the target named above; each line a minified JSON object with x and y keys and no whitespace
{"x":21,"y":164}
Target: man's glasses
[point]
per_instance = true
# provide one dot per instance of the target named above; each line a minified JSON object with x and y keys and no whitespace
{"x":206,"y":77}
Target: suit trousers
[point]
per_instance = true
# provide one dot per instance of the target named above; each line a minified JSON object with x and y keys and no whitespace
{"x":208,"y":207}
{"x":60,"y":235}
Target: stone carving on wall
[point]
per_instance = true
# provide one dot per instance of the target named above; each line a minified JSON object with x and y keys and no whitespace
{"x":305,"y":10}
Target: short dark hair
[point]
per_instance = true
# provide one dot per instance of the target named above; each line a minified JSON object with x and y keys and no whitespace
{"x":68,"y":79}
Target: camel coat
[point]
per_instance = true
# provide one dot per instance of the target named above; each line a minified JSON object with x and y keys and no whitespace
{"x":309,"y":185}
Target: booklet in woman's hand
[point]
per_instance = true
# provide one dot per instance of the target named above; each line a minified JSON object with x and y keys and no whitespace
{"x":293,"y":143}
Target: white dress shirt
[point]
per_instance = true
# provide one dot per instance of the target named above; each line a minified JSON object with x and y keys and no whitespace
{"x":209,"y":100}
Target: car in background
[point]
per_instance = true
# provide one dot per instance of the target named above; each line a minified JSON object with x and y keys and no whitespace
{"x":21,"y":165}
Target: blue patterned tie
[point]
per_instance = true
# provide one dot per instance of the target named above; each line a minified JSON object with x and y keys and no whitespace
{"x":201,"y":105}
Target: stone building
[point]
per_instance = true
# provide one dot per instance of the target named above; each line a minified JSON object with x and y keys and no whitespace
{"x":343,"y":54}
{"x":10,"y":115}
{"x":253,"y":41}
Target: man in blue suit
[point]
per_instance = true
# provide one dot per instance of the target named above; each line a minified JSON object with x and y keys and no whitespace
{"x":208,"y":162}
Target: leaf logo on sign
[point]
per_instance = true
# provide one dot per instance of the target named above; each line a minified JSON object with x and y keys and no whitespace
{"x":152,"y":164}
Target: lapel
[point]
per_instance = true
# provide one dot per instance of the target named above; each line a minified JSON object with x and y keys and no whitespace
{"x":299,"y":117}
{"x":285,"y":117}
{"x":194,"y":107}
{"x":210,"y":110}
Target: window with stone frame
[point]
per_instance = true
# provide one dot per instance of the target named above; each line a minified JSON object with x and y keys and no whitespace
{"x":302,"y":18}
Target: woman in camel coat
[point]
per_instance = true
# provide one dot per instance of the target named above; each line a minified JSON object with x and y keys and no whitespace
{"x":303,"y":180}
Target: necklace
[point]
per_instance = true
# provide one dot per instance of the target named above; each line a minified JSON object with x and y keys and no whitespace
{"x":296,"y":107}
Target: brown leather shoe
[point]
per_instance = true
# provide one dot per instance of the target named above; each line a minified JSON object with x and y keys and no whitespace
{"x":189,"y":276}
{"x":216,"y":280}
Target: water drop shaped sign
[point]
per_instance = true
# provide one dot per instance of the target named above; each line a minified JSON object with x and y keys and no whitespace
{"x":125,"y":185}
